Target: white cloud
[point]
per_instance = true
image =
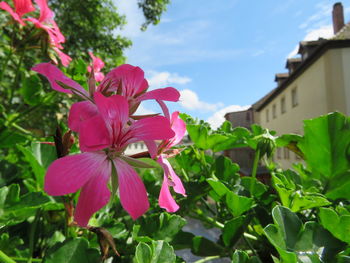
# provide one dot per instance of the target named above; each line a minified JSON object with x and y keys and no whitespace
{"x":190,"y":100}
{"x":164,"y":79}
{"x":321,"y":17}
{"x":219,"y":117}
{"x":322,"y":32}
{"x":134,"y":17}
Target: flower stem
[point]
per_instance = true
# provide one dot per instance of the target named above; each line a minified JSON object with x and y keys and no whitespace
{"x":254,"y":171}
{"x":32,"y":234}
{"x":206,"y":259}
{"x":5,"y":258}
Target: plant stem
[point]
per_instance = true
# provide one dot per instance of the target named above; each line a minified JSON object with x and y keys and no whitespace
{"x":5,"y":258}
{"x":4,"y":65}
{"x":32,"y":234}
{"x":25,"y":259}
{"x":254,"y":170}
{"x":15,"y":83}
{"x":251,"y":247}
{"x":206,"y":259}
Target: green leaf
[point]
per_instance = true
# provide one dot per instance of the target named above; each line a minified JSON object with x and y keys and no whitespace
{"x":259,"y":188}
{"x":10,"y":139}
{"x":225,"y":169}
{"x":38,"y":170}
{"x":159,"y":252}
{"x":325,"y":144}
{"x":308,"y":201}
{"x":233,"y":230}
{"x":238,"y":204}
{"x":15,"y":209}
{"x":204,"y":247}
{"x":339,"y":226}
{"x":301,"y":243}
{"x":219,"y":188}
{"x":240,"y":257}
{"x":73,"y":251}
{"x":30,"y":90}
{"x":44,"y":153}
{"x":159,"y":227}
{"x":143,"y":253}
{"x":339,"y":187}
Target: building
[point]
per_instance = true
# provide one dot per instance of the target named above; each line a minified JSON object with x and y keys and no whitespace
{"x":318,"y":82}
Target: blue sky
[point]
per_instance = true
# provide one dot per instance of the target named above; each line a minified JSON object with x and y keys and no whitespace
{"x":222,"y":55}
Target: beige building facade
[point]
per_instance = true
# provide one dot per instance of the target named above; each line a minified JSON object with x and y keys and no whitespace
{"x":321,"y":86}
{"x":317,"y":83}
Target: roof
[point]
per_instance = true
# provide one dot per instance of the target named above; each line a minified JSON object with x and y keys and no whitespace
{"x":343,"y":33}
{"x":292,"y":61}
{"x":320,"y":49}
{"x":257,"y":104}
{"x":281,"y":76}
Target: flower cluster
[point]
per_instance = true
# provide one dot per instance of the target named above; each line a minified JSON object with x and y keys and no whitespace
{"x":44,"y":22}
{"x":106,"y":125}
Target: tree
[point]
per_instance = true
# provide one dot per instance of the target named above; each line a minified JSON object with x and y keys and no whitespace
{"x":91,"y":25}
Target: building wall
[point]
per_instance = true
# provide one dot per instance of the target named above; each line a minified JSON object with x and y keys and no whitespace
{"x":322,"y":88}
{"x":346,"y":75}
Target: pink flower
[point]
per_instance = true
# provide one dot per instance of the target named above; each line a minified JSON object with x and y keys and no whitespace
{"x":103,"y":138}
{"x":97,"y":65}
{"x":129,"y":81}
{"x":22,"y":7}
{"x":54,"y":75}
{"x":125,"y":80}
{"x":166,"y":200}
{"x":47,"y":23}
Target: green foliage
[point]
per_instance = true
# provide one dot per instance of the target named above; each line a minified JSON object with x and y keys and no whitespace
{"x":152,"y":10}
{"x":300,"y":215}
{"x":156,"y":252}
{"x":74,"y":250}
{"x":90,"y":26}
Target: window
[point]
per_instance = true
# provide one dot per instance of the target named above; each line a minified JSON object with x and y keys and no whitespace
{"x":294,"y":97}
{"x":247,"y":116}
{"x":283,"y":105}
{"x":267,"y":115}
{"x":286,"y":153}
{"x":136,"y":145}
{"x":274,"y":115}
{"x":278,"y":153}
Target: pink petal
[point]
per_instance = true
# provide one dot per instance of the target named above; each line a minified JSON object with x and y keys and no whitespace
{"x":114,"y":109}
{"x":45,"y":12}
{"x":99,"y":76}
{"x":53,"y":74}
{"x":179,"y":127}
{"x":130,"y":78}
{"x":23,"y":7}
{"x":94,"y":195}
{"x":97,"y":63}
{"x":59,"y":37}
{"x":68,"y":174}
{"x":80,"y":111}
{"x":170,"y":173}
{"x":65,"y":59}
{"x":152,"y":148}
{"x":153,"y":128}
{"x":15,"y":16}
{"x":166,"y":200}
{"x":168,"y":94}
{"x":133,"y":195}
{"x":94,"y":134}
{"x":164,"y":109}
